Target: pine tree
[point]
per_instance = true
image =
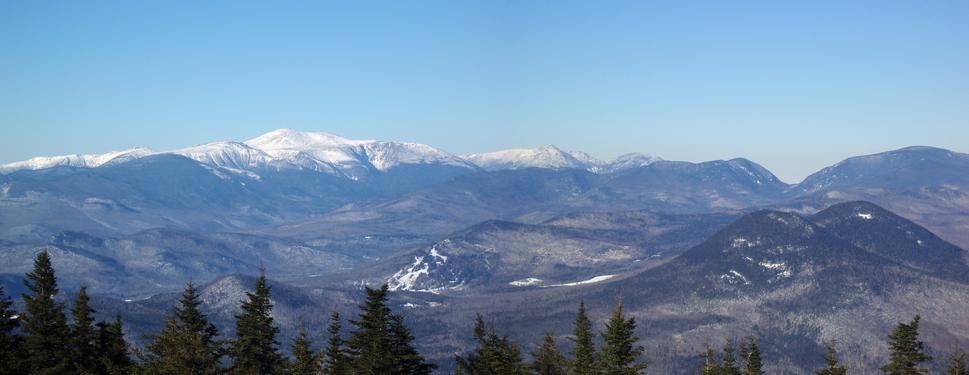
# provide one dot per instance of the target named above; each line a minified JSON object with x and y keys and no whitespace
{"x":548,"y":359}
{"x":369,"y":343}
{"x":494,"y":355}
{"x":187,"y":344}
{"x":729,"y":366}
{"x":44,"y":323}
{"x":907,"y":352}
{"x":833,"y":367}
{"x":381,"y":343}
{"x":958,"y":363}
{"x":710,"y":365}
{"x":407,"y":359}
{"x":752,"y":360}
{"x":583,"y":354}
{"x":83,"y":335}
{"x":9,"y":341}
{"x":305,"y":360}
{"x":336,"y":361}
{"x":112,"y":348}
{"x":619,"y":352}
{"x":254,"y":351}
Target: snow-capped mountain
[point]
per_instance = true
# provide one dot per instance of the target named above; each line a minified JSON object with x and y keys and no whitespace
{"x":278,"y":150}
{"x":549,"y":157}
{"x":628,"y":161}
{"x":76,"y":160}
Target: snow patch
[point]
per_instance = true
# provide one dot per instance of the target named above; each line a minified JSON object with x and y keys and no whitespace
{"x":584,"y":282}
{"x":526,"y":282}
{"x":733,"y":276}
{"x":865,"y":216}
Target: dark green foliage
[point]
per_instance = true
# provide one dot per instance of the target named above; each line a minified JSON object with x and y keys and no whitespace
{"x":583,"y":354}
{"x":187,"y":343}
{"x":381,"y":343}
{"x":907,"y":352}
{"x":729,"y":366}
{"x":619,"y":354}
{"x":336,"y":361}
{"x":548,"y":358}
{"x":112,"y":348}
{"x":752,"y":360}
{"x":958,"y":363}
{"x":44,"y":323}
{"x":495,"y":355}
{"x":83,"y":336}
{"x":9,"y":342}
{"x":254,"y":351}
{"x":305,"y":360}
{"x":408,"y":361}
{"x":710,"y":365}
{"x":831,"y":359}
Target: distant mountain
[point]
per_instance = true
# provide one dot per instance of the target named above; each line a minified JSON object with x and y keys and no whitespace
{"x":792,"y":283}
{"x":927,"y":185}
{"x":497,"y":255}
{"x":77,"y":160}
{"x":550,"y":157}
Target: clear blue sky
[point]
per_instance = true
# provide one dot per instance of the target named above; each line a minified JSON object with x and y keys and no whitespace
{"x":792,"y":85}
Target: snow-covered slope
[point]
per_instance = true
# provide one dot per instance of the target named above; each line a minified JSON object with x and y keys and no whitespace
{"x":76,"y":160}
{"x":550,"y":157}
{"x":627,"y":161}
{"x":278,"y":150}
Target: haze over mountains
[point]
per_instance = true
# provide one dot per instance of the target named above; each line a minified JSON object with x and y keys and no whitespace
{"x":699,"y":250}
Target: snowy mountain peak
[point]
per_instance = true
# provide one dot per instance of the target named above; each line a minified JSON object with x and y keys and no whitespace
{"x":548,"y":156}
{"x":631,"y":160}
{"x":289,"y":139}
{"x":76,"y":160}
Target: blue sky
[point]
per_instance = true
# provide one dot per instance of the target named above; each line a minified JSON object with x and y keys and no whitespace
{"x":794,"y":86}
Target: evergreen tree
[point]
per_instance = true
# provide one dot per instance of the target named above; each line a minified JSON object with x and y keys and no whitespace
{"x":833,"y":367}
{"x":548,"y":359}
{"x":254,"y":351}
{"x":957,"y":363}
{"x":583,"y":354}
{"x":709,"y":364}
{"x":907,"y":352}
{"x":407,"y":360}
{"x":305,"y":360}
{"x":729,"y":366}
{"x":112,"y":348}
{"x":494,"y":355}
{"x":381,"y":343}
{"x":187,"y":344}
{"x":336,"y":360}
{"x":619,"y":352}
{"x":44,"y":323}
{"x":752,"y":359}
{"x":83,"y":336}
{"x":9,"y":341}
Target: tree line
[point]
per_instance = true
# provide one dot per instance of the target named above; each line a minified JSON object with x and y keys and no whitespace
{"x":41,"y":340}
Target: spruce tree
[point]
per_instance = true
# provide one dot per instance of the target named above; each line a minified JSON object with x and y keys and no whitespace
{"x":583,"y":354}
{"x":336,"y":361}
{"x":305,"y":360}
{"x":752,"y":360}
{"x":254,"y":351}
{"x":112,"y":348}
{"x":83,"y":335}
{"x":407,"y":359}
{"x":44,"y":323}
{"x":381,"y":343}
{"x":907,"y":352}
{"x":729,"y":366}
{"x":10,"y":342}
{"x":494,"y":354}
{"x":548,"y":358}
{"x":187,"y":344}
{"x":831,"y":359}
{"x":619,"y":354}
{"x":958,"y":363}
{"x":709,"y":363}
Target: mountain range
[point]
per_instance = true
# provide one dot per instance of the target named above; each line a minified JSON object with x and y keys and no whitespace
{"x":700,"y":252}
